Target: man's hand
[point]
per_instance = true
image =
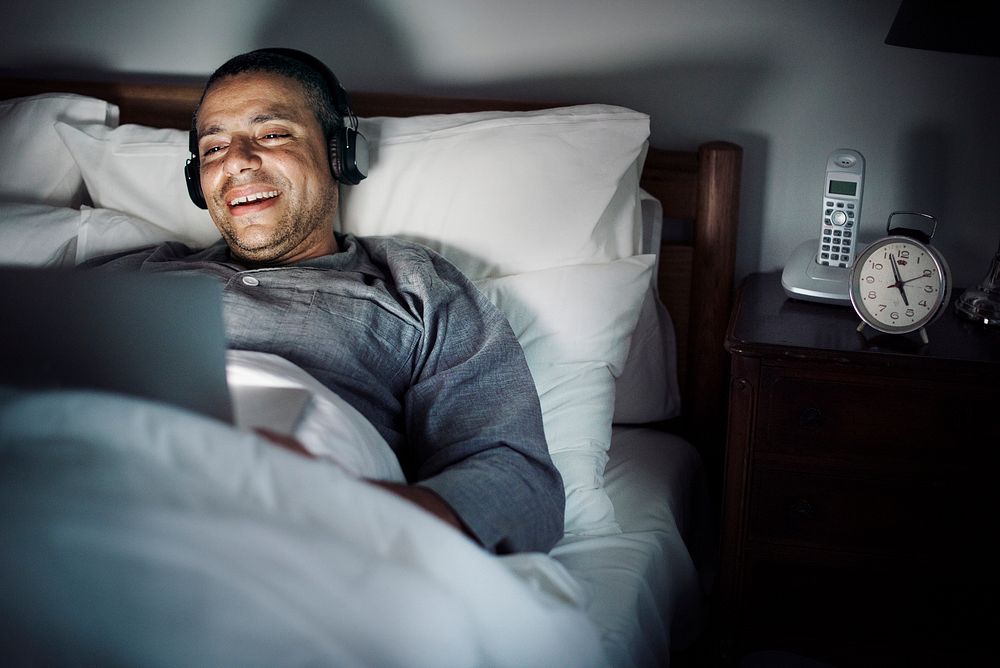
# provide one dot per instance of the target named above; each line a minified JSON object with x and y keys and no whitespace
{"x":285,"y":441}
{"x":426,"y":499}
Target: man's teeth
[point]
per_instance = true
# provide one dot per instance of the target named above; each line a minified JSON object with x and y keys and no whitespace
{"x":254,"y":197}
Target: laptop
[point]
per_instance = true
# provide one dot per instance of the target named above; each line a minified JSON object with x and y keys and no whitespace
{"x":156,"y":336}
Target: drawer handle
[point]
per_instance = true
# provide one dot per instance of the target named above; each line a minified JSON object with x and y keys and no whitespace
{"x":810,"y":418}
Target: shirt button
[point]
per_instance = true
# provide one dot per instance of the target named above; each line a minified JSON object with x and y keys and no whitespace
{"x":251,"y":281}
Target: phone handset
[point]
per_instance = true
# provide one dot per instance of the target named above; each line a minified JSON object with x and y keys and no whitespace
{"x":845,"y":179}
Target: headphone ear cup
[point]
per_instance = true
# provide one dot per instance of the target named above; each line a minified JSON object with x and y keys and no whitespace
{"x":192,"y":169}
{"x":192,"y":177}
{"x":349,"y":156}
{"x":357,"y":149}
{"x":335,"y":152}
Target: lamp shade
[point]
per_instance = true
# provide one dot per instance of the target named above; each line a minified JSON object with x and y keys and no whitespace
{"x":957,"y":26}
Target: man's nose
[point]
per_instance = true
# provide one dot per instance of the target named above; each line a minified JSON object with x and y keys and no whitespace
{"x":241,"y":155}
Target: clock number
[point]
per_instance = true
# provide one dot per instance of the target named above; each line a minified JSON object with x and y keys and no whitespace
{"x":909,"y":313}
{"x":872,"y":294}
{"x":904,"y":254}
{"x":869,"y":279}
{"x":928,"y":289}
{"x":923,"y":302}
{"x":927,"y":273}
{"x":894,"y":315}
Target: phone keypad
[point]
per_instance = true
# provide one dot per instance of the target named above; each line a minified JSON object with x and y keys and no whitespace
{"x":837,"y":235}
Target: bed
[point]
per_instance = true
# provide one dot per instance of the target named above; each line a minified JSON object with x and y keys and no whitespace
{"x":142,"y":534}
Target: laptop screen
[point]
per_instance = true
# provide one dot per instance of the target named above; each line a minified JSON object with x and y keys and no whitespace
{"x":156,"y":336}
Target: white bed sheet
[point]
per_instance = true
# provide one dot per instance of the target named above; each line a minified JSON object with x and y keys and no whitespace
{"x":644,"y":589}
{"x":233,"y":540}
{"x":140,"y":534}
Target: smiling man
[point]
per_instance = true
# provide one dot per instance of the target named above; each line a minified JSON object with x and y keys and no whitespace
{"x":280,"y":212}
{"x":390,"y":326}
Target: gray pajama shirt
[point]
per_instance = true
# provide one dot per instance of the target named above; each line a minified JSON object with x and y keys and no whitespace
{"x":406,"y":339}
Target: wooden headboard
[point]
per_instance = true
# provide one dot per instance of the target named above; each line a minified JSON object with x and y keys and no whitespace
{"x":696,"y":275}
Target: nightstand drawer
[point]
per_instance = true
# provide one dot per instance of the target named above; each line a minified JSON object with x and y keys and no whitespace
{"x":827,"y":416}
{"x":834,"y":512}
{"x":886,"y":613}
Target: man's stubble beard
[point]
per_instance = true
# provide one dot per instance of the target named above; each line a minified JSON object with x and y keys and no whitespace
{"x":296,"y":224}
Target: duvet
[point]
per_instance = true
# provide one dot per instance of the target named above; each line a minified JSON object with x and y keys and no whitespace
{"x":137,"y":533}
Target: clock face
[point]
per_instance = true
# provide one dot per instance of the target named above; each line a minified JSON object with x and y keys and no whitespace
{"x":898,"y":285}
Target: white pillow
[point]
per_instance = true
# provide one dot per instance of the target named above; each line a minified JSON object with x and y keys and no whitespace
{"x":43,"y":235}
{"x":648,"y":391}
{"x":574,"y":323}
{"x":34,"y":163}
{"x":501,"y":193}
{"x":139,"y":171}
{"x":37,"y":234}
{"x":106,"y":231}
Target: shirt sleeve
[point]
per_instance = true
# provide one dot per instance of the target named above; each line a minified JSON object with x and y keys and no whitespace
{"x":474,"y":424}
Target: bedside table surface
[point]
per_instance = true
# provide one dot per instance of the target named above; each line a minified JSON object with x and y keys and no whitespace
{"x":766,"y":319}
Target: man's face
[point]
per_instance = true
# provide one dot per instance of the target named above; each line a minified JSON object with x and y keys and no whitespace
{"x":265,"y":169}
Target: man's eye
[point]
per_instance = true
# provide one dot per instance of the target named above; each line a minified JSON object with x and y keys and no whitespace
{"x":211,"y":149}
{"x":275,"y":135}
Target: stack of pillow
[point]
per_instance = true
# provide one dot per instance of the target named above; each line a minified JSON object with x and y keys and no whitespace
{"x":541,"y":209}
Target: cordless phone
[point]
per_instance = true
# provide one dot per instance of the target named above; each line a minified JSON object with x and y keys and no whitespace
{"x":845,"y":178}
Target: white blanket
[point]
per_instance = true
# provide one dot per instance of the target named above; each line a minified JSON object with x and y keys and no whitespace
{"x":139,"y":534}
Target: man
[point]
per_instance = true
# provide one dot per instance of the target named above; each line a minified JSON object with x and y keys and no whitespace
{"x":393,"y":328}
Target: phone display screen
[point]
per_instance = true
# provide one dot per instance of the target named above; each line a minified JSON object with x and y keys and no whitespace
{"x":849,"y":188}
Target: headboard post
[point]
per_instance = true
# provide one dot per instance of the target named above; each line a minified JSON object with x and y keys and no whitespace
{"x":712,"y":276}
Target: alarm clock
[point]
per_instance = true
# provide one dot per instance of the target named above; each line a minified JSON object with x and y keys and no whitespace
{"x":900,"y":283}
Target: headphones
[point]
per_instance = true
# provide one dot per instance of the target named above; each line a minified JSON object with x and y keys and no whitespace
{"x":347,"y":147}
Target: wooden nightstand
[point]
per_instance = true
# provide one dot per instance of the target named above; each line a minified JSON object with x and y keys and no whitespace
{"x":861,"y":514}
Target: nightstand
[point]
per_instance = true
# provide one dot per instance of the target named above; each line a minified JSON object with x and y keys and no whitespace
{"x":861,"y":517}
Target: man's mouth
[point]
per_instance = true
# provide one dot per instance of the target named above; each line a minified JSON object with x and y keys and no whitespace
{"x":252,"y":198}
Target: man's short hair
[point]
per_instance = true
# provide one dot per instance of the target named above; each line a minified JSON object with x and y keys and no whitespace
{"x":317,"y":88}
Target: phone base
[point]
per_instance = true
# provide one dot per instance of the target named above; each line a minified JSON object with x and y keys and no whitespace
{"x":804,"y":278}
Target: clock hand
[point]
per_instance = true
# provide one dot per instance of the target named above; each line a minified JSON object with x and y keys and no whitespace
{"x":895,"y":272}
{"x":915,"y":278}
{"x":899,"y":279}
